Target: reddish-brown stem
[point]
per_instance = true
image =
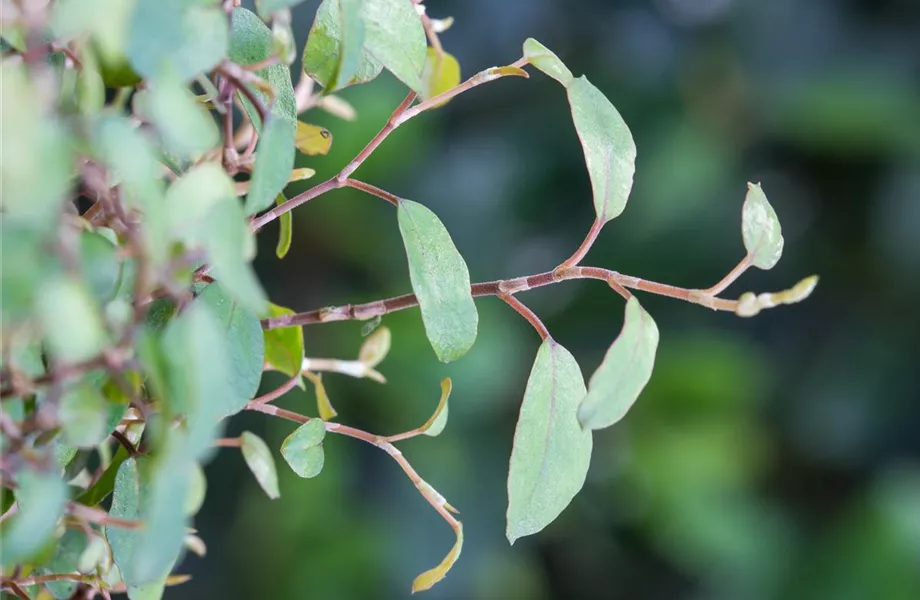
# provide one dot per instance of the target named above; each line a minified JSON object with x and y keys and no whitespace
{"x":585,"y":245}
{"x":228,"y":442}
{"x":528,"y":314}
{"x":373,"y":190}
{"x":277,"y":393}
{"x":391,"y":124}
{"x":617,"y":281}
{"x":729,"y":279}
{"x":233,"y":74}
{"x":125,"y":442}
{"x":313,"y":192}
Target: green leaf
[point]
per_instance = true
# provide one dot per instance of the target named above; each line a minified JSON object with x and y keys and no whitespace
{"x":36,"y":165}
{"x":441,"y":73}
{"x":126,"y":504}
{"x":100,"y":266}
{"x":551,"y":452}
{"x":610,"y":151}
{"x":334,"y":54}
{"x":83,"y":414}
{"x":303,"y":449}
{"x":286,"y":229}
{"x":21,"y":279}
{"x":188,"y":37}
{"x":243,"y":342}
{"x":259,"y":459}
{"x":438,"y":421}
{"x":274,"y":160}
{"x":197,"y":491}
{"x":426,"y":580}
{"x":71,"y":321}
{"x":251,"y":42}
{"x":163,"y":511}
{"x":625,"y":370}
{"x":376,"y":347}
{"x":66,"y":556}
{"x":186,"y":126}
{"x":440,"y":280}
{"x":204,"y":212}
{"x":283,"y":346}
{"x":394,"y":36}
{"x":546,"y":60}
{"x":41,"y":498}
{"x":763,"y":236}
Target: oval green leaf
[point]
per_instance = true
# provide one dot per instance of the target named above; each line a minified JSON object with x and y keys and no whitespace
{"x":440,"y":280}
{"x":303,"y":449}
{"x":623,"y":373}
{"x":41,"y":498}
{"x":83,"y":413}
{"x":126,"y":504}
{"x":546,"y":60}
{"x":334,"y":54}
{"x":551,"y":452}
{"x":763,"y":236}
{"x":71,"y":320}
{"x":394,"y":36}
{"x":426,"y":580}
{"x":186,"y":127}
{"x":259,"y":460}
{"x":275,"y":155}
{"x":187,"y":37}
{"x":610,"y":152}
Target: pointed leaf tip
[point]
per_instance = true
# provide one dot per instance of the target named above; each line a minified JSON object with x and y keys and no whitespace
{"x":760,"y":228}
{"x":610,"y":152}
{"x":551,"y":452}
{"x":429,"y":578}
{"x":624,"y":372}
{"x":546,"y":60}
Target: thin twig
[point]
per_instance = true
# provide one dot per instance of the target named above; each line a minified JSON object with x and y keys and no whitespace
{"x":585,"y":245}
{"x":277,"y":393}
{"x":732,"y":276}
{"x":373,"y":190}
{"x":528,"y":314}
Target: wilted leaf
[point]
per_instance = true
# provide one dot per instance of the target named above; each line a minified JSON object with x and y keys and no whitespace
{"x":187,"y":37}
{"x":334,"y":54}
{"x":83,"y":413}
{"x":438,"y":421}
{"x":544,"y":59}
{"x":323,"y":404}
{"x":551,"y":452}
{"x":763,"y":236}
{"x":426,"y":580}
{"x":71,"y":321}
{"x":610,"y":152}
{"x":442,"y":72}
{"x":243,"y":343}
{"x":623,"y":373}
{"x":312,"y":139}
{"x":303,"y":449}
{"x":41,"y":498}
{"x":440,"y":280}
{"x":259,"y":459}
{"x":283,"y":346}
{"x":376,"y":347}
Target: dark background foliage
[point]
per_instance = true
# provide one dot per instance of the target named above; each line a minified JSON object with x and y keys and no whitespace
{"x":777,"y":457}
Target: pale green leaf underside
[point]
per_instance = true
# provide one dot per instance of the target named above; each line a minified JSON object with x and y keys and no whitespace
{"x":259,"y":460}
{"x":760,"y":228}
{"x":440,"y":280}
{"x":623,"y":373}
{"x":551,"y":452}
{"x":41,"y":498}
{"x":610,"y":152}
{"x":546,"y":60}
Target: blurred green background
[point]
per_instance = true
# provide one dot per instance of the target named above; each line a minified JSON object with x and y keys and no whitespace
{"x":777,"y":457}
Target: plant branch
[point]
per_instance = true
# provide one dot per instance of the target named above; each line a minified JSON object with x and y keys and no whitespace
{"x":373,"y":190}
{"x":618,"y":281}
{"x":237,"y":75}
{"x":585,"y":245}
{"x":318,"y":190}
{"x":528,"y":314}
{"x":429,"y":493}
{"x":278,"y":392}
{"x":732,"y":276}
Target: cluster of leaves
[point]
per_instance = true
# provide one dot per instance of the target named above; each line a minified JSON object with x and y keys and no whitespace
{"x":134,"y":326}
